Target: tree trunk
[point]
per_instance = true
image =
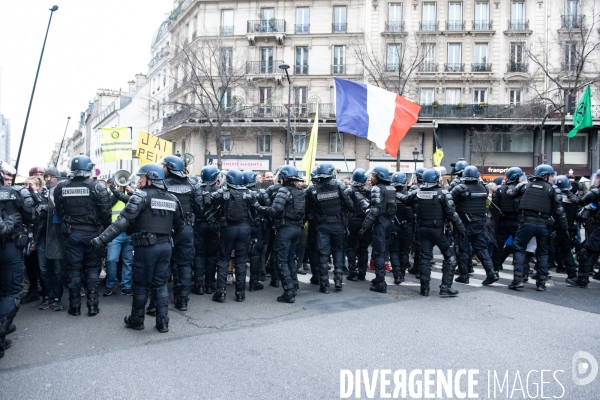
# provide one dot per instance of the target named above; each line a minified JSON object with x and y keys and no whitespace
{"x":562,"y":143}
{"x":398,"y":158}
{"x":219,"y":161}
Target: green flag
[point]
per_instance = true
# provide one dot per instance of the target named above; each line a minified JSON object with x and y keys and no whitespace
{"x":582,"y":118}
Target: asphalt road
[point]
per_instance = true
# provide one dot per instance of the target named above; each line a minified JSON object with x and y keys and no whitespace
{"x":264,"y":349}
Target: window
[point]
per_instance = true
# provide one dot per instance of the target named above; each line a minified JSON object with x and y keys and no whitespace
{"x":428,"y":54}
{"x":300,"y":142}
{"x":517,"y":54}
{"x":263,"y":143}
{"x":570,"y":60}
{"x":265,"y":101}
{"x":227,"y":22}
{"x":516,"y":142}
{"x":479,"y":96}
{"x":572,"y":19}
{"x":455,"y":22}
{"x":225,"y":141}
{"x":454,"y":57}
{"x":428,"y":22}
{"x":393,"y":57}
{"x":515,"y":97}
{"x":426,"y":97}
{"x":225,"y":97}
{"x":452,"y":96}
{"x":576,"y":144}
{"x":300,"y":93}
{"x":226,"y":61}
{"x":339,"y":60}
{"x":517,"y":16}
{"x":481,"y":57}
{"x":301,"y":61}
{"x":267,"y":20}
{"x":395,"y":18}
{"x":302,"y":20}
{"x":336,"y":142}
{"x":339,"y":19}
{"x":266,"y":60}
{"x":482,"y":13}
{"x":194,"y":26}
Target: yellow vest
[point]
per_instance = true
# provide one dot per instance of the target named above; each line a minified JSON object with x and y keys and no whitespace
{"x":116,"y":210}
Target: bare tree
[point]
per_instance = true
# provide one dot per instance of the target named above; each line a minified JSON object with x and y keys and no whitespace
{"x":392,"y":66}
{"x":482,"y":145}
{"x":567,"y":61}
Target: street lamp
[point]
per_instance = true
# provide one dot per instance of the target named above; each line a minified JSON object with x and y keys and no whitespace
{"x":285,"y":67}
{"x":54,"y":8}
{"x":415,"y":154}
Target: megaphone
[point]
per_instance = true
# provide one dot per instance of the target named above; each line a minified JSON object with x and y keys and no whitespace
{"x":187,"y":159}
{"x":121,"y":177}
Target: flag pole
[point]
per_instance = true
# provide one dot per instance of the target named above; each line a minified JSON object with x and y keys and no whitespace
{"x":62,"y":143}
{"x":344,"y":154}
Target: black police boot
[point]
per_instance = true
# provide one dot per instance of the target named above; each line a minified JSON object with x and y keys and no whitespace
{"x":324,"y":284}
{"x":240,"y":295}
{"x":527,"y":273}
{"x":352,"y":272}
{"x":198,"y":287}
{"x":162,"y":324}
{"x":491,"y":278}
{"x":540,"y":283}
{"x":337,"y":279}
{"x":462,"y":279}
{"x":151,"y":309}
{"x":255,"y":285}
{"x":11,"y":329}
{"x":92,"y":302}
{"x":414,"y":270}
{"x":288,"y":296}
{"x":209,"y":288}
{"x":181,"y":303}
{"x":379,"y":286}
{"x":274,"y":280}
{"x":596,"y":276}
{"x":135,"y":320}
{"x":517,"y":281}
{"x":580,"y":281}
{"x":362,"y":275}
{"x":447,"y":291}
{"x":220,"y":295}
{"x":32,"y":296}
{"x":74,"y":302}
{"x":314,"y":280}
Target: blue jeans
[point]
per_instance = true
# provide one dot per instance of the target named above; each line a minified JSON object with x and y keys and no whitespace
{"x":120,"y":246}
{"x":51,"y":271}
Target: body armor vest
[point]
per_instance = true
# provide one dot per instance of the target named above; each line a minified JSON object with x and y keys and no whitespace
{"x":181,"y":188}
{"x":475,"y":203}
{"x":79,"y":201}
{"x":157,"y":215}
{"x":388,"y":201}
{"x":209,"y":189}
{"x":294,"y":210}
{"x":430,"y":208}
{"x":508,"y":205}
{"x":536,"y":199}
{"x":570,"y":209}
{"x":8,"y":201}
{"x":328,"y":201}
{"x":236,"y":208}
{"x":357,"y":196}
{"x":401,"y":210}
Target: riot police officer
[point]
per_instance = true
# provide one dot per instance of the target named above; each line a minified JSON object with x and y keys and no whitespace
{"x":591,"y":248}
{"x":457,"y":171}
{"x":287,"y":212}
{"x":150,"y":215}
{"x":257,"y":232}
{"x":417,"y":242}
{"x":561,"y":250}
{"x":419,"y":178}
{"x":539,"y":202}
{"x":402,"y":229}
{"x":271,"y":265}
{"x":234,"y":202}
{"x":311,"y":241}
{"x":16,"y":207}
{"x":329,"y":199}
{"x":434,"y":208}
{"x":383,"y":209}
{"x":357,"y":249}
{"x":470,"y":197}
{"x":505,"y":211}
{"x":191,"y":201}
{"x":206,"y":238}
{"x":84,"y":206}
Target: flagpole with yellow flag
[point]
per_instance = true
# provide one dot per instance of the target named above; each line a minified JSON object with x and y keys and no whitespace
{"x":308,"y":161}
{"x":438,"y":155}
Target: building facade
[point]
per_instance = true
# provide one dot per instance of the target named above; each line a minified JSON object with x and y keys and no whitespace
{"x":4,"y":139}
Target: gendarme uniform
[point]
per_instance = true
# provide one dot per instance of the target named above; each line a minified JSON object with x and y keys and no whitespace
{"x":150,"y":217}
{"x":357,"y":249}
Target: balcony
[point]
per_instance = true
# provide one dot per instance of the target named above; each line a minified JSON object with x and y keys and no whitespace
{"x":572,"y":21}
{"x":263,"y":67}
{"x":518,"y":27}
{"x":226,"y":30}
{"x":428,"y":67}
{"x":481,"y":67}
{"x":525,"y":111}
{"x":568,"y":67}
{"x":394,"y":28}
{"x":300,"y":69}
{"x":454,"y":67}
{"x":338,"y":69}
{"x":339,"y":28}
{"x":429,"y":26}
{"x":266,"y":29}
{"x":302,"y":29}
{"x":517,"y":67}
{"x":455,"y":25}
{"x":482,"y":25}
{"x":394,"y":67}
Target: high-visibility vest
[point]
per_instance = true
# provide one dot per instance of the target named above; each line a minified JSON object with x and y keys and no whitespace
{"x":116,"y":210}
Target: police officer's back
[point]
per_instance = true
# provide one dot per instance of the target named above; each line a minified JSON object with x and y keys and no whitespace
{"x":402,"y":231}
{"x":84,"y":206}
{"x":258,"y":227}
{"x":150,"y":216}
{"x":357,"y":249}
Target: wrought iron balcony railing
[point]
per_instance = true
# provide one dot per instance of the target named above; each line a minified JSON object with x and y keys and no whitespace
{"x":266,"y":26}
{"x":393,"y":67}
{"x":481,"y":67}
{"x":338,"y":69}
{"x":517,"y":67}
{"x":301,"y":69}
{"x":482,"y":25}
{"x":428,"y":67}
{"x":572,"y":21}
{"x":568,"y":67}
{"x":302,"y":28}
{"x":339,"y":28}
{"x":394,"y":26}
{"x":429,"y":25}
{"x":454,"y":67}
{"x":263,"y":67}
{"x":455,"y":25}
{"x":518,"y":24}
{"x":226,"y":30}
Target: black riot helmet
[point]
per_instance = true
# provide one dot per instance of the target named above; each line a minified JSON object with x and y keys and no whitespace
{"x":325,"y":171}
{"x":174,"y":165}
{"x":359,"y":177}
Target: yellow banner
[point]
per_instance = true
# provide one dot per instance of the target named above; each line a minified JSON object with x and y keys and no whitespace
{"x":116,"y":144}
{"x":308,"y":161}
{"x":152,"y":149}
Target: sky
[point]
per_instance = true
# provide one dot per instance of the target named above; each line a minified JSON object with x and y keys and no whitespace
{"x":91,"y":44}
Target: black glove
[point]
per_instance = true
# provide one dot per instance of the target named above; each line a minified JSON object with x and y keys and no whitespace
{"x":361,"y":233}
{"x":462,"y":233}
{"x":98,"y":243}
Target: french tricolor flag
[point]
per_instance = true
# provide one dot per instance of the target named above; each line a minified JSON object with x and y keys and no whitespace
{"x":373,"y":113}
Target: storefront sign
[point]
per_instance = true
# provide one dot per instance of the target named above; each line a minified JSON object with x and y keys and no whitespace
{"x":501,"y":171}
{"x":405,"y":166}
{"x":257,"y":164}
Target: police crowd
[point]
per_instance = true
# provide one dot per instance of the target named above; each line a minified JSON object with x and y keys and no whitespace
{"x":202,"y":231}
